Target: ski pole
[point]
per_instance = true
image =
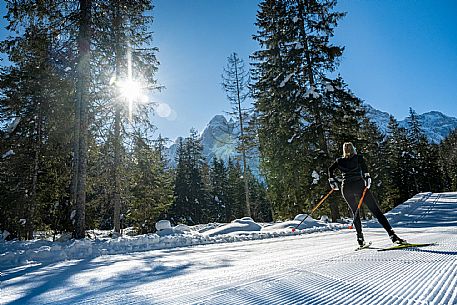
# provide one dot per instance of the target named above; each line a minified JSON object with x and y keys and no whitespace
{"x":358,"y":206}
{"x":315,"y":208}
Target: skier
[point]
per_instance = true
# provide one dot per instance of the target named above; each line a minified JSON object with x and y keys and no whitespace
{"x":355,"y":179}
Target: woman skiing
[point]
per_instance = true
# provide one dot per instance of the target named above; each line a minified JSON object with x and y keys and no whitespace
{"x":355,"y":179}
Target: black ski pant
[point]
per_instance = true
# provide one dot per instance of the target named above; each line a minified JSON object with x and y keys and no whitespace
{"x":352,"y":192}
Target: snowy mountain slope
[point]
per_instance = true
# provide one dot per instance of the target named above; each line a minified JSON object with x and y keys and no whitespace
{"x":380,"y":118}
{"x":219,"y":140}
{"x":435,"y":124}
{"x":320,"y":268}
{"x":219,"y":136}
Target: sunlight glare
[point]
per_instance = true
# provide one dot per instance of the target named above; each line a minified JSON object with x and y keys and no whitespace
{"x":163,"y":110}
{"x":130,"y":89}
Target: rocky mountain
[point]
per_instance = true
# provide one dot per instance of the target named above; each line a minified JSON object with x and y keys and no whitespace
{"x":435,"y":124}
{"x":218,"y":141}
{"x":218,"y":137}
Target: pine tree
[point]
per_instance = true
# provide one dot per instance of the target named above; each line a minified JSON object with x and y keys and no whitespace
{"x":294,"y":106}
{"x":371,"y":146}
{"x":192,"y":201}
{"x":218,"y":190}
{"x":433,"y":172}
{"x":448,"y":161}
{"x":35,"y":97}
{"x":81,"y":119}
{"x":72,"y":45}
{"x":346,"y":120}
{"x":261,"y":207}
{"x":398,"y":163}
{"x":124,"y":64}
{"x":276,"y":118}
{"x":235,"y":81}
{"x":426,"y":171}
{"x":67,"y":28}
{"x":151,"y":191}
{"x":235,"y":191}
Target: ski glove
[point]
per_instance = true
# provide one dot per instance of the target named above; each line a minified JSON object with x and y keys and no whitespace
{"x":333,"y":184}
{"x":367,"y":180}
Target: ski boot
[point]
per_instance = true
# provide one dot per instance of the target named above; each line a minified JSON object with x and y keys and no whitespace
{"x":362,"y":244}
{"x":361,"y":241}
{"x":397,"y":240}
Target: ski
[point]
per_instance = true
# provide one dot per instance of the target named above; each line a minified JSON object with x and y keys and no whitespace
{"x":404,"y":246}
{"x":365,"y":246}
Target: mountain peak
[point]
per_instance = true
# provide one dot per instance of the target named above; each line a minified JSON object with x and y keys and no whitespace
{"x":218,"y":119}
{"x":219,"y":138}
{"x":435,"y":124}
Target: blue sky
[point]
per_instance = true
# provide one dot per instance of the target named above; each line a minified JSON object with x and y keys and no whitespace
{"x":195,"y":37}
{"x":399,"y":54}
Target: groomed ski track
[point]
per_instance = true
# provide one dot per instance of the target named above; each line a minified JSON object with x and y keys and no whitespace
{"x":320,"y":268}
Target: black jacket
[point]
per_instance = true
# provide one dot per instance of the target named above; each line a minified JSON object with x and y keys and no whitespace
{"x":352,"y":168}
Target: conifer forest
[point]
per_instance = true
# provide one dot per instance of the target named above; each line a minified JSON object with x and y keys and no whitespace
{"x":79,"y":149}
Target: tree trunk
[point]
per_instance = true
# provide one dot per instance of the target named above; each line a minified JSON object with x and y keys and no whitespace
{"x":116,"y":200}
{"x":116,"y":197}
{"x":242,"y":140}
{"x":36,"y":163}
{"x":82,"y":97}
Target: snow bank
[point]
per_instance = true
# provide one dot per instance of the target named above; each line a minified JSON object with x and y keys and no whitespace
{"x":164,"y":228}
{"x":163,"y":225}
{"x":287,"y":225}
{"x":15,"y":253}
{"x":400,"y":213}
{"x":245,"y":224}
{"x":409,"y":206}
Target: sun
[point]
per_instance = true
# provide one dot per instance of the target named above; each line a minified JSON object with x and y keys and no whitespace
{"x":130,"y":89}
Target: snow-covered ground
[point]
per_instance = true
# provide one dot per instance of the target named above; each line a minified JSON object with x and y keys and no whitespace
{"x":264,"y":265}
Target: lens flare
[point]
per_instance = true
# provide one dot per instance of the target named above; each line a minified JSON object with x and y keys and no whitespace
{"x":163,"y":110}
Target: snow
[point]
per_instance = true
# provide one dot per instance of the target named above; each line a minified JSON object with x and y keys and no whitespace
{"x":329,"y":87}
{"x":72,"y":215}
{"x":309,"y":225}
{"x":436,"y":125}
{"x":292,"y":138}
{"x":163,"y":224}
{"x":12,"y":127}
{"x":311,"y":93}
{"x":43,"y":251}
{"x":4,"y":235}
{"x":219,"y":136}
{"x":267,"y":266}
{"x":246,"y":224}
{"x":9,"y":153}
{"x":316,"y":177}
{"x":285,"y":80}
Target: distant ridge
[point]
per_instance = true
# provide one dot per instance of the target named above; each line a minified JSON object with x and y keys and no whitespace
{"x":218,"y":137}
{"x":435,"y":124}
